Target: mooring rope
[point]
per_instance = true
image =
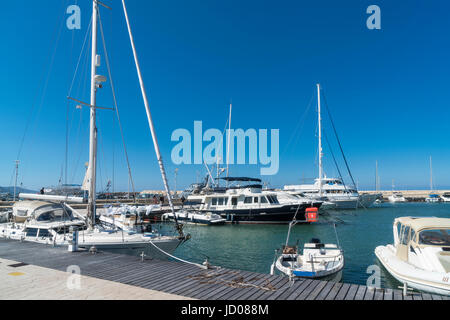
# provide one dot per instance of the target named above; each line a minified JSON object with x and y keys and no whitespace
{"x":179,"y":259}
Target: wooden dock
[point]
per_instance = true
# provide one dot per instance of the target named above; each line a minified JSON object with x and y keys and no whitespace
{"x":189,"y":281}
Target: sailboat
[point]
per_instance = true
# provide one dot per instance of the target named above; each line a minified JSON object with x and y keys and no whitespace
{"x":331,"y":190}
{"x":432,"y":197}
{"x":50,"y":219}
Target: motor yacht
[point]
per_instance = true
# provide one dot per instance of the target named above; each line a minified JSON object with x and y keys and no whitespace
{"x":396,"y":197}
{"x":330,"y":190}
{"x":420,"y":255}
{"x":445,"y":197}
{"x":248,"y":203}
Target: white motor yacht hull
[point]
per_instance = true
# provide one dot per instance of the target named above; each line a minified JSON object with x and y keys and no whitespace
{"x":366,"y":200}
{"x":333,"y":204}
{"x":420,"y":279}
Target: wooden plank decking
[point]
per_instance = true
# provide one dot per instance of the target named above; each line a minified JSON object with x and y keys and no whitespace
{"x":190,"y":281}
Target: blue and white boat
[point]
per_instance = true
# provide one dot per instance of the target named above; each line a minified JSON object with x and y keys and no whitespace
{"x":318,"y":260}
{"x":433,"y":197}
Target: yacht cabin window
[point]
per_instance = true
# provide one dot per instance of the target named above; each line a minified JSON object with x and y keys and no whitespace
{"x":248,"y":200}
{"x":219,"y":201}
{"x":255,"y":200}
{"x":234,"y":201}
{"x":272,"y":199}
{"x":263,"y":200}
{"x":435,"y":237}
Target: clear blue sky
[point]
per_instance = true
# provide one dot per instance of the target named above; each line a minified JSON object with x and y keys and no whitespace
{"x":387,"y":89}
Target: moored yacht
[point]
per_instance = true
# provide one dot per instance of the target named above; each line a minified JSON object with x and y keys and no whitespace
{"x":49,"y":223}
{"x":250,"y":204}
{"x":54,"y":223}
{"x":446,"y":197}
{"x":420,"y":254}
{"x":396,"y":197}
{"x":331,"y":190}
{"x":433,"y":198}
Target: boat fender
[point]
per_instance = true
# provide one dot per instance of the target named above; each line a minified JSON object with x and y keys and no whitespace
{"x":312,"y":214}
{"x":272,"y":269}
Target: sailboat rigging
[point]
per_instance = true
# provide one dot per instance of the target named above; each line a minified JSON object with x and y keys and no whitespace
{"x":52,"y":219}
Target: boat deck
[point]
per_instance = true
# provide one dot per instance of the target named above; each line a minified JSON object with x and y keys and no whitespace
{"x":190,"y":281}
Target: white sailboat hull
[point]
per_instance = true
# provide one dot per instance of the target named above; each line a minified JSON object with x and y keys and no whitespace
{"x":136,"y":248}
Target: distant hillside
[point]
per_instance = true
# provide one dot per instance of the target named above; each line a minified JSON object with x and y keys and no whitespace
{"x":18,"y":190}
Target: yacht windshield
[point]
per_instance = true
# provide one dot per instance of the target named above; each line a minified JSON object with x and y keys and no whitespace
{"x":272,"y":199}
{"x":435,"y":237}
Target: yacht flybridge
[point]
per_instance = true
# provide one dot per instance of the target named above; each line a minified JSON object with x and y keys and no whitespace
{"x":333,"y":191}
{"x":49,"y":221}
{"x":420,"y":254}
{"x":249,"y":203}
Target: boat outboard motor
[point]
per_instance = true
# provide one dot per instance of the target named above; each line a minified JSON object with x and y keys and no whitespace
{"x":319,"y":245}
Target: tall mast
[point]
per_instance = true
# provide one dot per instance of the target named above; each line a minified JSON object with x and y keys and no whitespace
{"x":93,"y":128}
{"x":229,"y":141}
{"x":15,"y":182}
{"x":431,"y":175}
{"x":320,"y":141}
{"x":150,"y":122}
{"x":376,"y":176}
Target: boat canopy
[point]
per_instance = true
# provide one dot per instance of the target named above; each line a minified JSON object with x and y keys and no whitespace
{"x":419,"y":224}
{"x":30,"y":205}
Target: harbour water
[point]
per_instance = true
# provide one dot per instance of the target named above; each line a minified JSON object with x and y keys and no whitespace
{"x":252,"y":247}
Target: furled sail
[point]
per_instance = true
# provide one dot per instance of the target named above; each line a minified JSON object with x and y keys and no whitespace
{"x":86,"y":181}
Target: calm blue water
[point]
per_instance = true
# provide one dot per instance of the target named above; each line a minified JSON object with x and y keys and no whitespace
{"x":252,"y":247}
